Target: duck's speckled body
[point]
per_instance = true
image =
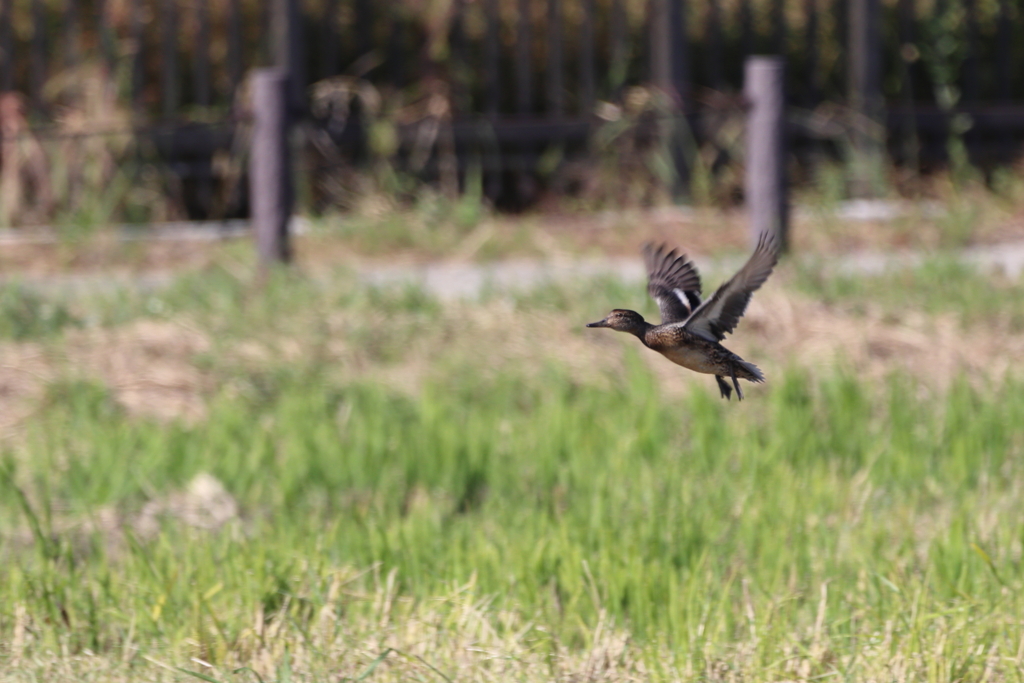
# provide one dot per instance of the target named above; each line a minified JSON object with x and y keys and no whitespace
{"x":691,"y":330}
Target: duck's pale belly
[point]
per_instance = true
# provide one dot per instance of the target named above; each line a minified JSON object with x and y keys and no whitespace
{"x":693,"y":359}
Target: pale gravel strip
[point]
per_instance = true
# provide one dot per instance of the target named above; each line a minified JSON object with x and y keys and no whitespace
{"x":454,"y":280}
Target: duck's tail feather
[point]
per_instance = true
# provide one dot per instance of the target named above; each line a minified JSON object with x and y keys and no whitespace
{"x":748,"y":371}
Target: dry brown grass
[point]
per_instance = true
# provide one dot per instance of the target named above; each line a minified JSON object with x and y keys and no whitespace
{"x":153,"y":368}
{"x":148,"y":365}
{"x":462,"y":635}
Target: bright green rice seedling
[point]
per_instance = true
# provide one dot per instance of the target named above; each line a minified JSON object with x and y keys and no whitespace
{"x":513,"y":525}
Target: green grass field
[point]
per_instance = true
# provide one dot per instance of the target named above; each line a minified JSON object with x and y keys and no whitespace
{"x":486,"y":491}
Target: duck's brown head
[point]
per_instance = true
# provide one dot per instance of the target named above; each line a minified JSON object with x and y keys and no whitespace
{"x":623,"y":320}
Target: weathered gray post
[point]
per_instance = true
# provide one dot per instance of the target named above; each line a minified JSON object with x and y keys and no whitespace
{"x":270,"y":173}
{"x":764,"y":90}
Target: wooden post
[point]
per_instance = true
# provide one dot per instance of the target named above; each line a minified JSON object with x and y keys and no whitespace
{"x":763,"y":88}
{"x":270,"y":173}
{"x":865,"y":80}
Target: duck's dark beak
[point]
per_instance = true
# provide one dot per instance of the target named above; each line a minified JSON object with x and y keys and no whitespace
{"x":599,"y":323}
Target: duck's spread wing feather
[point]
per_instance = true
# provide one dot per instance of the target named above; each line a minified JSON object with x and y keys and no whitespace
{"x":719,"y":315}
{"x":672,"y":281}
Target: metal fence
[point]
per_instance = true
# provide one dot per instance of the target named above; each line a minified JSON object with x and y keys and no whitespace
{"x":520,"y":75}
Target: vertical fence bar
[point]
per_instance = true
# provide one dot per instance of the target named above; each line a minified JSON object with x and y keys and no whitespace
{"x":679,"y":52}
{"x":6,"y":47}
{"x":906,"y":60}
{"x":1003,"y":52}
{"x":746,"y":20}
{"x":556,"y":102}
{"x":908,"y":50}
{"x":202,"y":54}
{"x":169,"y":58}
{"x":72,"y":33}
{"x":287,"y":44}
{"x":457,"y":62}
{"x":524,"y":70}
{"x":841,"y":36}
{"x":767,"y":207}
{"x":618,"y":60}
{"x":813,"y":93}
{"x":659,"y":38}
{"x":364,"y":27}
{"x":396,"y":49}
{"x":234,"y":45}
{"x":587,"y":95}
{"x":491,"y":163}
{"x":669,"y":74}
{"x":492,"y":75}
{"x":778,"y":12}
{"x":138,"y":64}
{"x":714,"y":45}
{"x":969,"y":72}
{"x":265,"y":21}
{"x":105,"y":36}
{"x":270,"y":173}
{"x":201,"y":94}
{"x":38,"y":62}
{"x":865,"y":83}
{"x":329,"y":64}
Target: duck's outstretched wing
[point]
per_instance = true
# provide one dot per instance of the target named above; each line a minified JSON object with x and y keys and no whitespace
{"x":672,"y":281}
{"x":719,"y":315}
